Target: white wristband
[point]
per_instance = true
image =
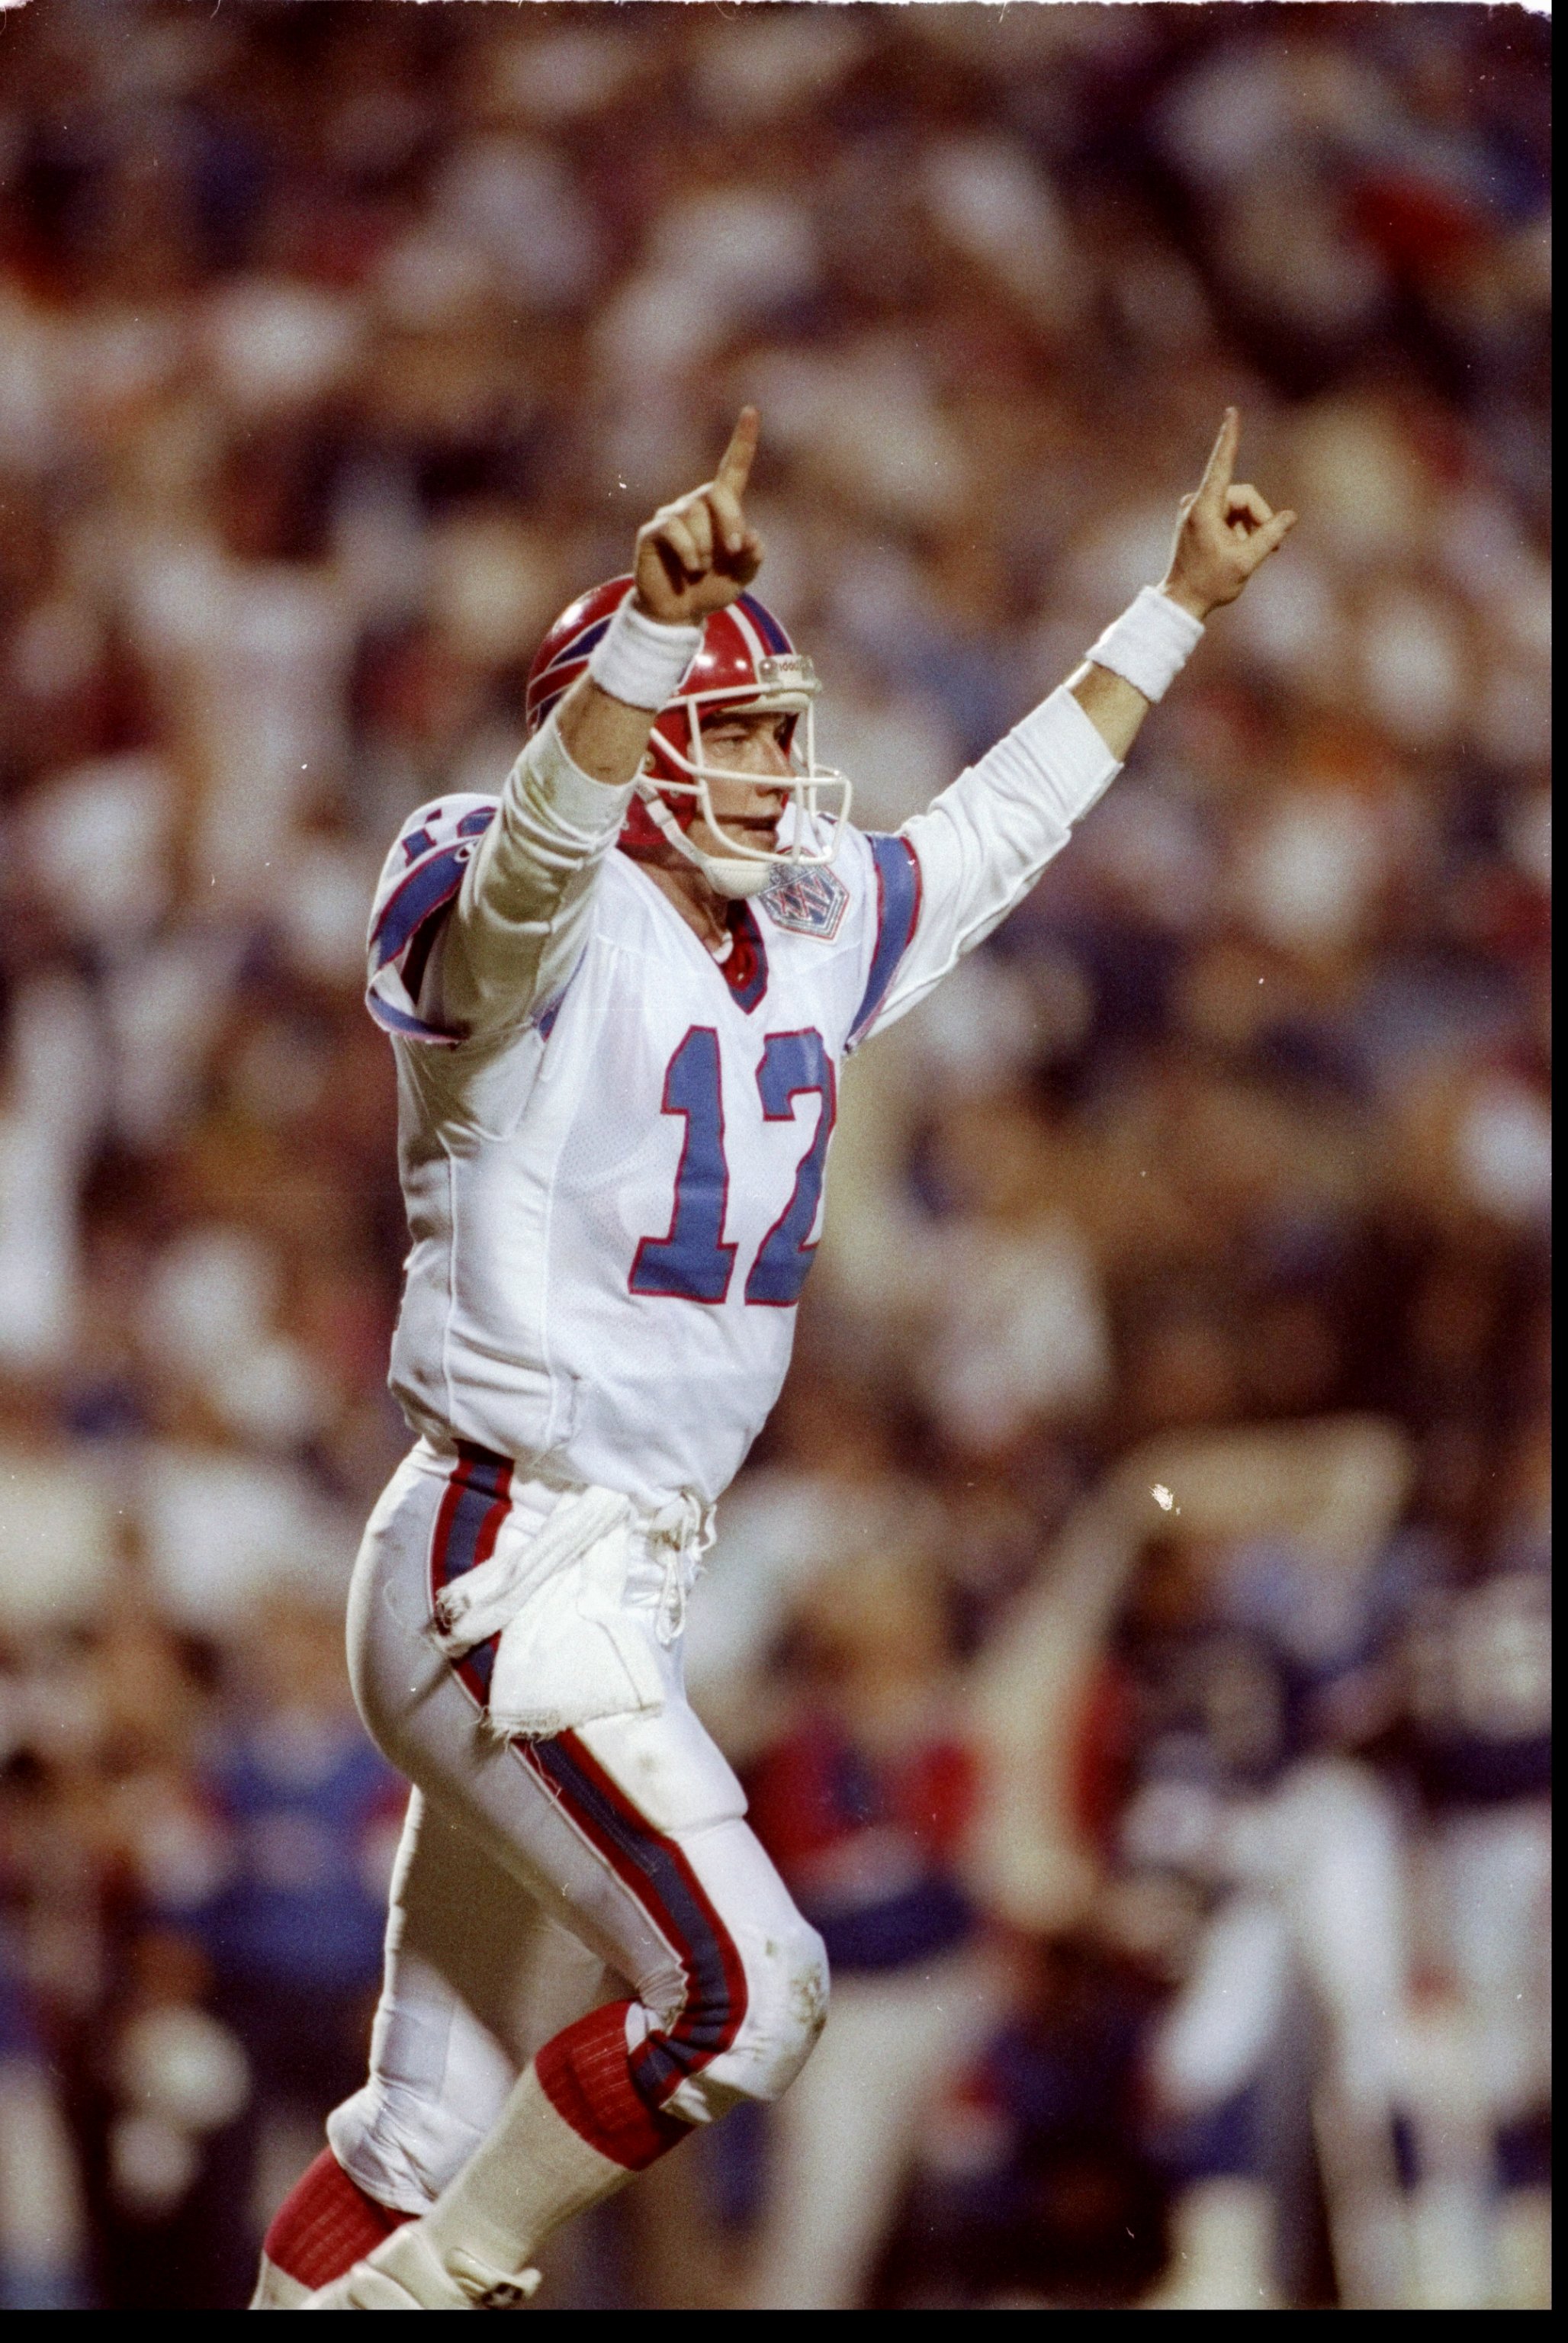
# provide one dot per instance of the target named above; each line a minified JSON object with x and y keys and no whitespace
{"x":1151,"y":643}
{"x":640,"y":660}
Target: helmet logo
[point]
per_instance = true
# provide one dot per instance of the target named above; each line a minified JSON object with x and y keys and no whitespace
{"x":794,"y":673}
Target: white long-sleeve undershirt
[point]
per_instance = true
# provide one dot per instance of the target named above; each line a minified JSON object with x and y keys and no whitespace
{"x":522,"y":914}
{"x":984,"y":842}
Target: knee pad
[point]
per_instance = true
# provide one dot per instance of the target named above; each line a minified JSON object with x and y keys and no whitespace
{"x":796,"y":2006}
{"x":787,"y":2003}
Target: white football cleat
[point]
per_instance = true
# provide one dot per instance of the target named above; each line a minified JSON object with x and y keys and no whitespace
{"x":275,"y":2291}
{"x":406,"y":2272}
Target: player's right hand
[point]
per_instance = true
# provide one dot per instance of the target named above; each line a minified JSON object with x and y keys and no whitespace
{"x":696,"y":555}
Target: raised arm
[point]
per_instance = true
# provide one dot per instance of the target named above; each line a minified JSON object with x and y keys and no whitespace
{"x":520,"y":918}
{"x":984,"y":842}
{"x":1226,"y":530}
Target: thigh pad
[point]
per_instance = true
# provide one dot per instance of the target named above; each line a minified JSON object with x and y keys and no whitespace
{"x":669,"y":1765}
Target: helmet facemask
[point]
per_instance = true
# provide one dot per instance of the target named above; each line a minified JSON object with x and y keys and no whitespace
{"x":678,"y":767}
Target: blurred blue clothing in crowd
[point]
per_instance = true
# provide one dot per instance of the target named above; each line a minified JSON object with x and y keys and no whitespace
{"x":307,"y":1814}
{"x":308,"y":1809}
{"x":1238,"y":1672}
{"x":18,"y":2039}
{"x":867,"y":1842}
{"x":1045,"y":2186}
{"x":40,"y":2256}
{"x":1479,"y":1651}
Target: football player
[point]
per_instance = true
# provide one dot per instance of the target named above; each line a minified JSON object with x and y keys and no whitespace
{"x":619,"y":997}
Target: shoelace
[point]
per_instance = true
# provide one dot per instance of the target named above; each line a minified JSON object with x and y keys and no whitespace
{"x":488,"y":2288}
{"x":484,"y":1601}
{"x":683,"y":1526}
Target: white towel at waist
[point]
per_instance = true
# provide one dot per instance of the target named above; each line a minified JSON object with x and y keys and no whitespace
{"x":577,"y":1642}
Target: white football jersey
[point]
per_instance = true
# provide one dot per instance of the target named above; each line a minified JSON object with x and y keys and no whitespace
{"x":612,"y":1146}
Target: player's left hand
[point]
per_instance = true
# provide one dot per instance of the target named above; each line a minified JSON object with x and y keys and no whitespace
{"x":1226,"y":531}
{"x":696,"y":555}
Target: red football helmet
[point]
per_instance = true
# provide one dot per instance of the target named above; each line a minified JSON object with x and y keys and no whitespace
{"x":744,"y":662}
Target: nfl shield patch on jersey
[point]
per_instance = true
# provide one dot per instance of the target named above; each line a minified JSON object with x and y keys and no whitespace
{"x":810,"y":901}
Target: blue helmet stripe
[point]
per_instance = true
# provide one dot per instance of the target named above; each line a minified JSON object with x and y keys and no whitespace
{"x":766,"y":625}
{"x":577,"y":647}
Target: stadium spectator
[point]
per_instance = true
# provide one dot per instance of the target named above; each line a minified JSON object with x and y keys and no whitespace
{"x":863,"y":1800}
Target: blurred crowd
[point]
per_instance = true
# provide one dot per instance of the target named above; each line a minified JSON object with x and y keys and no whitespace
{"x":1133,"y":1626}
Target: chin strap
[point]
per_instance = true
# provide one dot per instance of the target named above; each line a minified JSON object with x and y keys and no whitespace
{"x":728,"y":875}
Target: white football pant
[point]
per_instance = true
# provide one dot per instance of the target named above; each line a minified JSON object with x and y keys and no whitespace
{"x":540,"y":1880}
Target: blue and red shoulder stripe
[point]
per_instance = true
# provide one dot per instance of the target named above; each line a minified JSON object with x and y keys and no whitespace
{"x":898,"y":914}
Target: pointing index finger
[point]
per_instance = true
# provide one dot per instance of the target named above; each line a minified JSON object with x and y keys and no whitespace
{"x":735,"y":464}
{"x":1222,"y":462}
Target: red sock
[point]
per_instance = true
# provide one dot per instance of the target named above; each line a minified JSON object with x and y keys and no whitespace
{"x":326,"y":2224}
{"x":586,"y":2075}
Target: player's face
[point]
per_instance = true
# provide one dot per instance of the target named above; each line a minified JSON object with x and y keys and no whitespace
{"x":755,"y":745}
